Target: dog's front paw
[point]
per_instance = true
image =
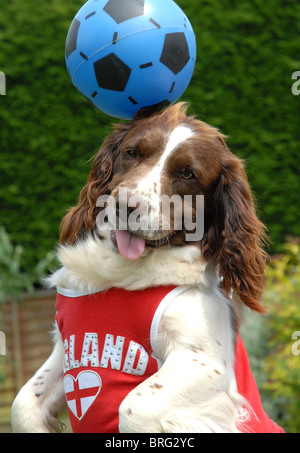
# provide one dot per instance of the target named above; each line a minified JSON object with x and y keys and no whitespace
{"x":183,"y":421}
{"x":26,"y":416}
{"x":135,"y":416}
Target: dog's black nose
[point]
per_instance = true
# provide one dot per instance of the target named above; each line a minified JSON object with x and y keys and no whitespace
{"x":129,"y":209}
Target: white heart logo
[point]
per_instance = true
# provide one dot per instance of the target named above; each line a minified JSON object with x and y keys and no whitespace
{"x":82,"y":391}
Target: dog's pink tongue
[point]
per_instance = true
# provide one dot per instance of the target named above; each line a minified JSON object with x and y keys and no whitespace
{"x":131,"y":247}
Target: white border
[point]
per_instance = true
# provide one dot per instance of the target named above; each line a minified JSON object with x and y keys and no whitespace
{"x":160,"y":311}
{"x":73,"y":293}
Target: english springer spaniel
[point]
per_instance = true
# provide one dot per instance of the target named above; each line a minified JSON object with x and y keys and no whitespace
{"x":148,"y":314}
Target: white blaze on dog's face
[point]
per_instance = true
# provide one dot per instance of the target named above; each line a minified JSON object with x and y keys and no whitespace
{"x":152,"y":182}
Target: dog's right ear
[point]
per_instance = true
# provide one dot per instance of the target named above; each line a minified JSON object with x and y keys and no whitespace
{"x":81,"y":219}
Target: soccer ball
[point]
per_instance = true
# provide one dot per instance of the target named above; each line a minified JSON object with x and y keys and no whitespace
{"x":124,"y":55}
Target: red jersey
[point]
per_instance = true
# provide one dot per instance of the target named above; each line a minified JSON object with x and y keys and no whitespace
{"x":108,"y":352}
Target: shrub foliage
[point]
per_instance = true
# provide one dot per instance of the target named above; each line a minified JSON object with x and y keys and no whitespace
{"x":282,"y":362}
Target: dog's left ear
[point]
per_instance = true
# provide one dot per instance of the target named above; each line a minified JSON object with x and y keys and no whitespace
{"x":235,"y":236}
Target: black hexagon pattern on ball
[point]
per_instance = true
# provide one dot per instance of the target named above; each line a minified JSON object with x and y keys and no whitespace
{"x":112,"y":73}
{"x":175,"y":54}
{"x":71,"y":41}
{"x":122,"y":10}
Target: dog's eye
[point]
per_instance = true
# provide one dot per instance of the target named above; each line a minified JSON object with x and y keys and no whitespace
{"x":131,"y":153}
{"x":187,"y":175}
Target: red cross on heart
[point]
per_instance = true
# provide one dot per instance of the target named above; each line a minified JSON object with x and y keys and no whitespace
{"x":82,"y":391}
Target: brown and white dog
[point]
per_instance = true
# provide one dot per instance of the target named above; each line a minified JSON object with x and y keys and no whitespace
{"x":169,"y":153}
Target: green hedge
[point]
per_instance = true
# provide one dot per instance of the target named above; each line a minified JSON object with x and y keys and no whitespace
{"x":247,"y":52}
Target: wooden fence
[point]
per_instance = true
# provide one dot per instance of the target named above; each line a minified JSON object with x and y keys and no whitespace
{"x":27,"y":326}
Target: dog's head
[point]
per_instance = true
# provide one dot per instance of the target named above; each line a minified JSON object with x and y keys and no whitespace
{"x":174,"y":182}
